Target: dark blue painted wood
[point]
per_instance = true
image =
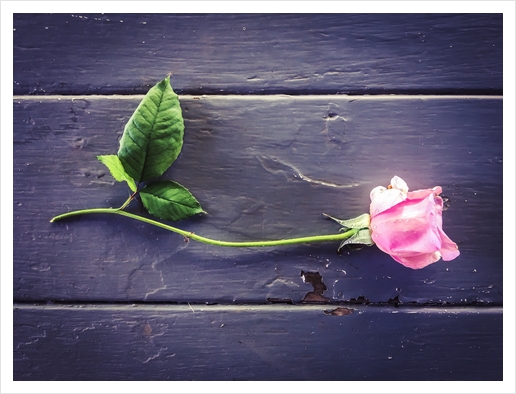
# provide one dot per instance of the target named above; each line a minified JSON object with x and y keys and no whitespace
{"x":243,"y":159}
{"x":200,"y":342}
{"x":262,"y":53}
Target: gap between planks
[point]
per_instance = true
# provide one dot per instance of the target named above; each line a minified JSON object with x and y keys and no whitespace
{"x":268,"y":97}
{"x":265,"y":308}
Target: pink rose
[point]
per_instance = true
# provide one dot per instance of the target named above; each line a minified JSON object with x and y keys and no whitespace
{"x":408,"y":225}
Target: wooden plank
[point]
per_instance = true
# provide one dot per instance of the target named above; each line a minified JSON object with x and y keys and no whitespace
{"x":242,"y":158}
{"x":258,"y":53}
{"x":307,"y":343}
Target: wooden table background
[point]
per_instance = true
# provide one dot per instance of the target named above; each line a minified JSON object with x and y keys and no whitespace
{"x":286,"y":117}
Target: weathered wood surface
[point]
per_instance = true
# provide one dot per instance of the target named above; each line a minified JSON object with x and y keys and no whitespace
{"x":303,"y":343}
{"x":268,"y":53}
{"x":264,"y":166}
{"x":243,"y":158}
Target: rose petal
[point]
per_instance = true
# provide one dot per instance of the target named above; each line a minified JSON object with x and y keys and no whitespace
{"x":420,"y":194}
{"x":376,"y":192}
{"x":449,"y":249}
{"x":398,"y":183}
{"x":385,"y":199}
{"x":404,"y":236}
{"x":437,"y":190}
{"x":419,"y":261}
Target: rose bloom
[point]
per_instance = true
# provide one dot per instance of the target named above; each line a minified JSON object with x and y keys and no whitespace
{"x":408,"y":225}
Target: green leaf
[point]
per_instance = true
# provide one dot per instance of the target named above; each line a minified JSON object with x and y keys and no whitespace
{"x":153,"y":137}
{"x":113,"y":163}
{"x":169,"y":200}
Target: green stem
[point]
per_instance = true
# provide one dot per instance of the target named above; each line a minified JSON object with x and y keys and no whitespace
{"x":128,"y":201}
{"x":243,"y":244}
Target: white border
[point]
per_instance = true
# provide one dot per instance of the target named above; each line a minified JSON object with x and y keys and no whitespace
{"x":195,"y":6}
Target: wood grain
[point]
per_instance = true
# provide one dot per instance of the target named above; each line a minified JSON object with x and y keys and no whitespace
{"x":258,"y":53}
{"x":263,"y":168}
{"x":287,"y":116}
{"x":200,"y":342}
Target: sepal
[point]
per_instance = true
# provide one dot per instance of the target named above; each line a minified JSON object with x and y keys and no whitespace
{"x":361,"y":237}
{"x":359,"y":222}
